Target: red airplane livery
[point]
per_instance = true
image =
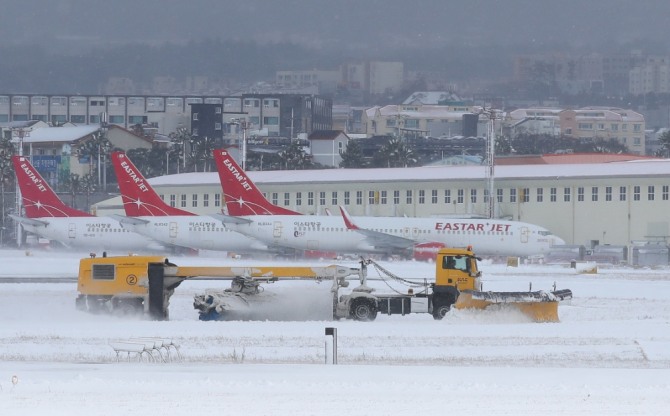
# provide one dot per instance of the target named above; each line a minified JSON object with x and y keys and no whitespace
{"x":479,"y":227}
{"x":240,"y":193}
{"x":47,"y":216}
{"x":149,"y":215}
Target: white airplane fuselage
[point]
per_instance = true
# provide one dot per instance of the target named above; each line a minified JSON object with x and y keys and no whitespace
{"x":328,"y":233}
{"x":90,"y":233}
{"x":196,"y":232}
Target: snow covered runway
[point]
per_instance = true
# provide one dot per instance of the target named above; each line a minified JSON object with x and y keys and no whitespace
{"x":610,"y":354}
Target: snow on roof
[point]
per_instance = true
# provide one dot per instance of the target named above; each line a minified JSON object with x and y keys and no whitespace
{"x":59,"y":134}
{"x":430,"y":111}
{"x":571,"y":158}
{"x":430,"y":97}
{"x":19,"y":124}
{"x":541,"y":112}
{"x":653,"y":167}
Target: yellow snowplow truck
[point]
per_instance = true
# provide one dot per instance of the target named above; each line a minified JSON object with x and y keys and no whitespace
{"x":457,"y":283}
{"x":144,"y":285}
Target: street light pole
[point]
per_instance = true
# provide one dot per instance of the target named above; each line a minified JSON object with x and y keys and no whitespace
{"x":20,"y":133}
{"x":244,"y":145}
{"x":244,"y":125}
{"x":490,"y":162}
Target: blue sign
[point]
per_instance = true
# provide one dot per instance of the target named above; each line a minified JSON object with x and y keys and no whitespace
{"x":46,"y":163}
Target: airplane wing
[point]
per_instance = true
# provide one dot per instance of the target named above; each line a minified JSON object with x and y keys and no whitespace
{"x":129,"y":220}
{"x":29,"y":221}
{"x":376,"y":238}
{"x":229,"y":219}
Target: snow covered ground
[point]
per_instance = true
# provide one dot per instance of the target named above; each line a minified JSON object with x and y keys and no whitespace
{"x":610,"y":354}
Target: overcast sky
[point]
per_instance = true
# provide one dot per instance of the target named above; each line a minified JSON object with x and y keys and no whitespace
{"x":324,"y":23}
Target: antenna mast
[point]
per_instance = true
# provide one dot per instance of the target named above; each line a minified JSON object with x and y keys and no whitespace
{"x":490,"y":161}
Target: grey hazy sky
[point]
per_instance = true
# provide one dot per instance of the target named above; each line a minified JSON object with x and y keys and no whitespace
{"x":323,"y":23}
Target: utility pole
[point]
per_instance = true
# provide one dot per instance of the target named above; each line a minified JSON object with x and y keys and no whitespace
{"x":244,"y":126}
{"x":490,"y":161}
{"x":21,"y":134}
{"x":291,"y":125}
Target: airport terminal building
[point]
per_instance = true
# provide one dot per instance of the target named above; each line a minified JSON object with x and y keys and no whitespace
{"x":614,"y":203}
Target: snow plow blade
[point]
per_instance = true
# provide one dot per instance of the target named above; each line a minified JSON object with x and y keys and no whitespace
{"x":540,"y":306}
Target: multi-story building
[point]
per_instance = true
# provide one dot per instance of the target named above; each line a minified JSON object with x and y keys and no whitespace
{"x":533,"y":121}
{"x":207,"y":120}
{"x":286,"y":115}
{"x":571,"y":74}
{"x":416,"y":120}
{"x":650,"y":76}
{"x":326,"y":82}
{"x":373,"y":77}
{"x":166,"y":114}
{"x":348,"y":119}
{"x":364,"y":78}
{"x":626,"y":126}
{"x":614,"y":74}
{"x":281,"y":114}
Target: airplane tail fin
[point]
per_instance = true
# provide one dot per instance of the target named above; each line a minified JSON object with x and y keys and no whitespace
{"x":240,"y":193}
{"x":347,"y":219}
{"x":139,"y":198}
{"x":38,"y":199}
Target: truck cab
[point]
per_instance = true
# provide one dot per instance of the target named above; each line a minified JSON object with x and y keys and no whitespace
{"x":458,"y":268}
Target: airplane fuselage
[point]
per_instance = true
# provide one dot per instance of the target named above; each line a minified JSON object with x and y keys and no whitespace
{"x":328,"y":233}
{"x":197,"y":232}
{"x":90,"y":233}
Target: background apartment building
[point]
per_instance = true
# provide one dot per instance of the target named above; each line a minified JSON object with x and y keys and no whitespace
{"x":422,"y":120}
{"x":365,"y":79}
{"x":625,"y":126}
{"x":278,"y":114}
{"x":652,"y":76}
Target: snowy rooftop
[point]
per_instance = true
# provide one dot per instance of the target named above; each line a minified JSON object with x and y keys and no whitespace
{"x":655,"y":167}
{"x":430,"y":97}
{"x":59,"y":134}
{"x":431,"y":111}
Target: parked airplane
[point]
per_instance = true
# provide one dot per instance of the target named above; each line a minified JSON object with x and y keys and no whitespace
{"x":149,"y":215}
{"x":241,"y":195}
{"x":47,"y":216}
{"x":374,"y":234}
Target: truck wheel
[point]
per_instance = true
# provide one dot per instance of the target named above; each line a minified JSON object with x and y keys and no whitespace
{"x":97,"y":305}
{"x":363,"y":310}
{"x":128,"y":307}
{"x":80,"y":303}
{"x":441,"y":311}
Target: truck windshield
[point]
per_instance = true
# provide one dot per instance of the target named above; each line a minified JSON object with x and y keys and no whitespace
{"x":456,"y":263}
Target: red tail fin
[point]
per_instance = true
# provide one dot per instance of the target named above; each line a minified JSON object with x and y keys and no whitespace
{"x":139,"y":198}
{"x":240,"y":193}
{"x":347,"y":219}
{"x":38,"y":198}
